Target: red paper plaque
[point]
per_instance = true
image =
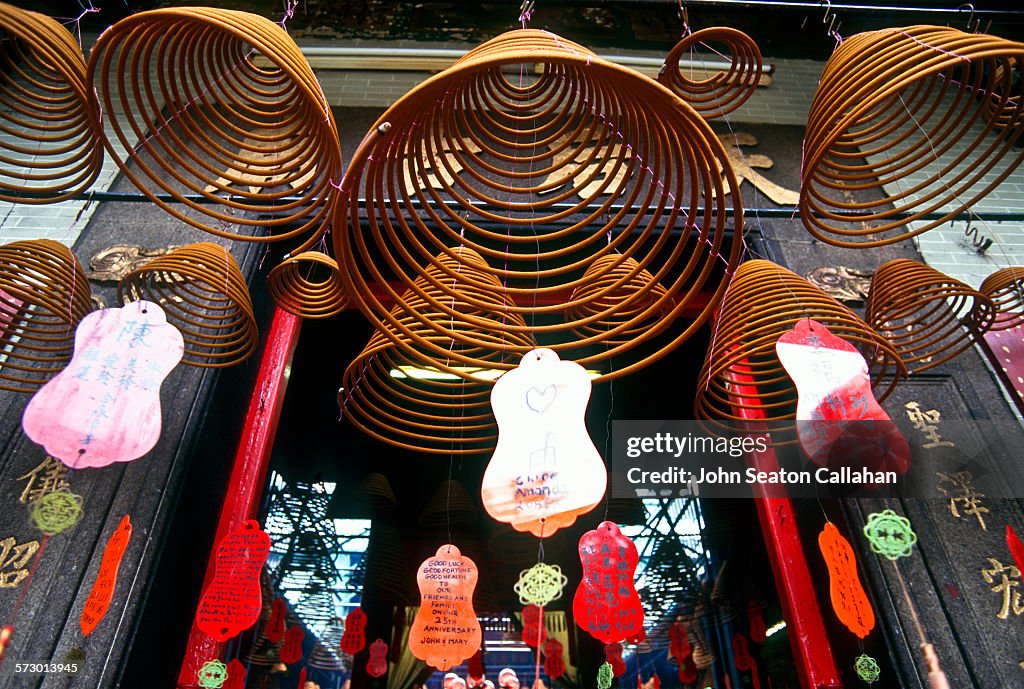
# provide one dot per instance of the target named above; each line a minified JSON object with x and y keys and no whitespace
{"x":1015,"y":546}
{"x":446,"y":630}
{"x":688,"y":670}
{"x":354,"y":638}
{"x":743,"y":661}
{"x":534,"y":633}
{"x":554,"y":662}
{"x":849,"y":600}
{"x":103,"y":589}
{"x":105,"y":406}
{"x":276,"y":623}
{"x":236,"y":675}
{"x":377,"y":665}
{"x":232,"y":602}
{"x":606,"y":604}
{"x":755,"y":616}
{"x":545,"y":470}
{"x":833,"y":387}
{"x":678,"y":645}
{"x":291,"y":650}
{"x":613,"y":656}
{"x":475,"y":668}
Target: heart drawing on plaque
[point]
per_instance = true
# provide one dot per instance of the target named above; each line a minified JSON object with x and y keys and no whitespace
{"x":539,"y":400}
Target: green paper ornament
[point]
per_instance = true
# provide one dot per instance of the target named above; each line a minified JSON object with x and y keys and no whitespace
{"x":56,"y":512}
{"x":867,"y":669}
{"x":604,"y":676}
{"x":213,"y":674}
{"x":540,"y":584}
{"x":890,"y":534}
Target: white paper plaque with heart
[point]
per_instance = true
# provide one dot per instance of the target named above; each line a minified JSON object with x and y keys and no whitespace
{"x":545,"y":471}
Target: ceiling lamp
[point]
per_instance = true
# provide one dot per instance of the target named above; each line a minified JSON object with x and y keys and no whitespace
{"x":203,"y":293}
{"x":742,"y":373}
{"x":542,"y":158}
{"x":217,"y":117}
{"x":383,"y":392}
{"x":43,"y":295}
{"x":723,"y":91}
{"x":922,"y":120}
{"x":926,"y":315}
{"x":51,"y":125}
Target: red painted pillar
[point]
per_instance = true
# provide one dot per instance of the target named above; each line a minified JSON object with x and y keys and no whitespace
{"x":809,"y":642}
{"x":249,"y":471}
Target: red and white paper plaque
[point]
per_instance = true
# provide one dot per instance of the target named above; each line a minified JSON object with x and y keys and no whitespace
{"x":545,"y":470}
{"x":233,"y":601}
{"x":606,"y":604}
{"x":839,"y":421}
{"x":446,"y":630}
{"x":105,"y":406}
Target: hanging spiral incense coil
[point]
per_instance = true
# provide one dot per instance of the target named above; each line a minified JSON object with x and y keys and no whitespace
{"x":921,"y":120}
{"x":307,"y":285}
{"x":397,"y":394}
{"x":44,"y":294}
{"x":203,"y":293}
{"x":763,"y":302}
{"x":50,"y":122}
{"x":626,"y":280}
{"x":220,"y":105}
{"x":926,"y":315}
{"x":1006,"y":290}
{"x":542,"y":158}
{"x":723,"y":91}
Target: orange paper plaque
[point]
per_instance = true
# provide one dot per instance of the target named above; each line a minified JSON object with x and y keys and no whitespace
{"x":848,"y":597}
{"x":545,"y":470}
{"x":445,"y":631}
{"x":103,"y":589}
{"x":233,"y":600}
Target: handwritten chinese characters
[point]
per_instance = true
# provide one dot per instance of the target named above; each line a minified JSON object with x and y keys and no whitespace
{"x":446,"y":630}
{"x":606,"y":604}
{"x":103,"y":588}
{"x":14,"y":561}
{"x":105,"y":406}
{"x":964,"y":498}
{"x":233,"y":600}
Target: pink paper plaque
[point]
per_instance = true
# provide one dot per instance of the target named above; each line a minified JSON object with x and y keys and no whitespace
{"x":233,"y":601}
{"x":545,"y":470}
{"x":839,"y":422}
{"x":105,"y":406}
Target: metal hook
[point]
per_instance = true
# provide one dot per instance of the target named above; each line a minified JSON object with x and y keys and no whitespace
{"x":828,"y":10}
{"x":970,"y":19}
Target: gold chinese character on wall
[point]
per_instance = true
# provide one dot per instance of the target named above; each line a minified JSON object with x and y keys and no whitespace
{"x":49,"y":476}
{"x":14,"y":561}
{"x":1004,"y":580}
{"x":927,"y":422}
{"x":964,"y":498}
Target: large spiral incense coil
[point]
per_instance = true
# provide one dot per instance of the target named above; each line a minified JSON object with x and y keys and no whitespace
{"x":307,"y":285}
{"x":542,"y":158}
{"x":44,"y":294}
{"x":723,"y":91}
{"x":909,"y":125}
{"x":216,"y":116}
{"x":742,"y":376}
{"x":201,"y":289}
{"x":926,"y":315}
{"x":49,"y":121}
{"x":398,"y":394}
{"x":628,"y":281}
{"x":1005,"y":288}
